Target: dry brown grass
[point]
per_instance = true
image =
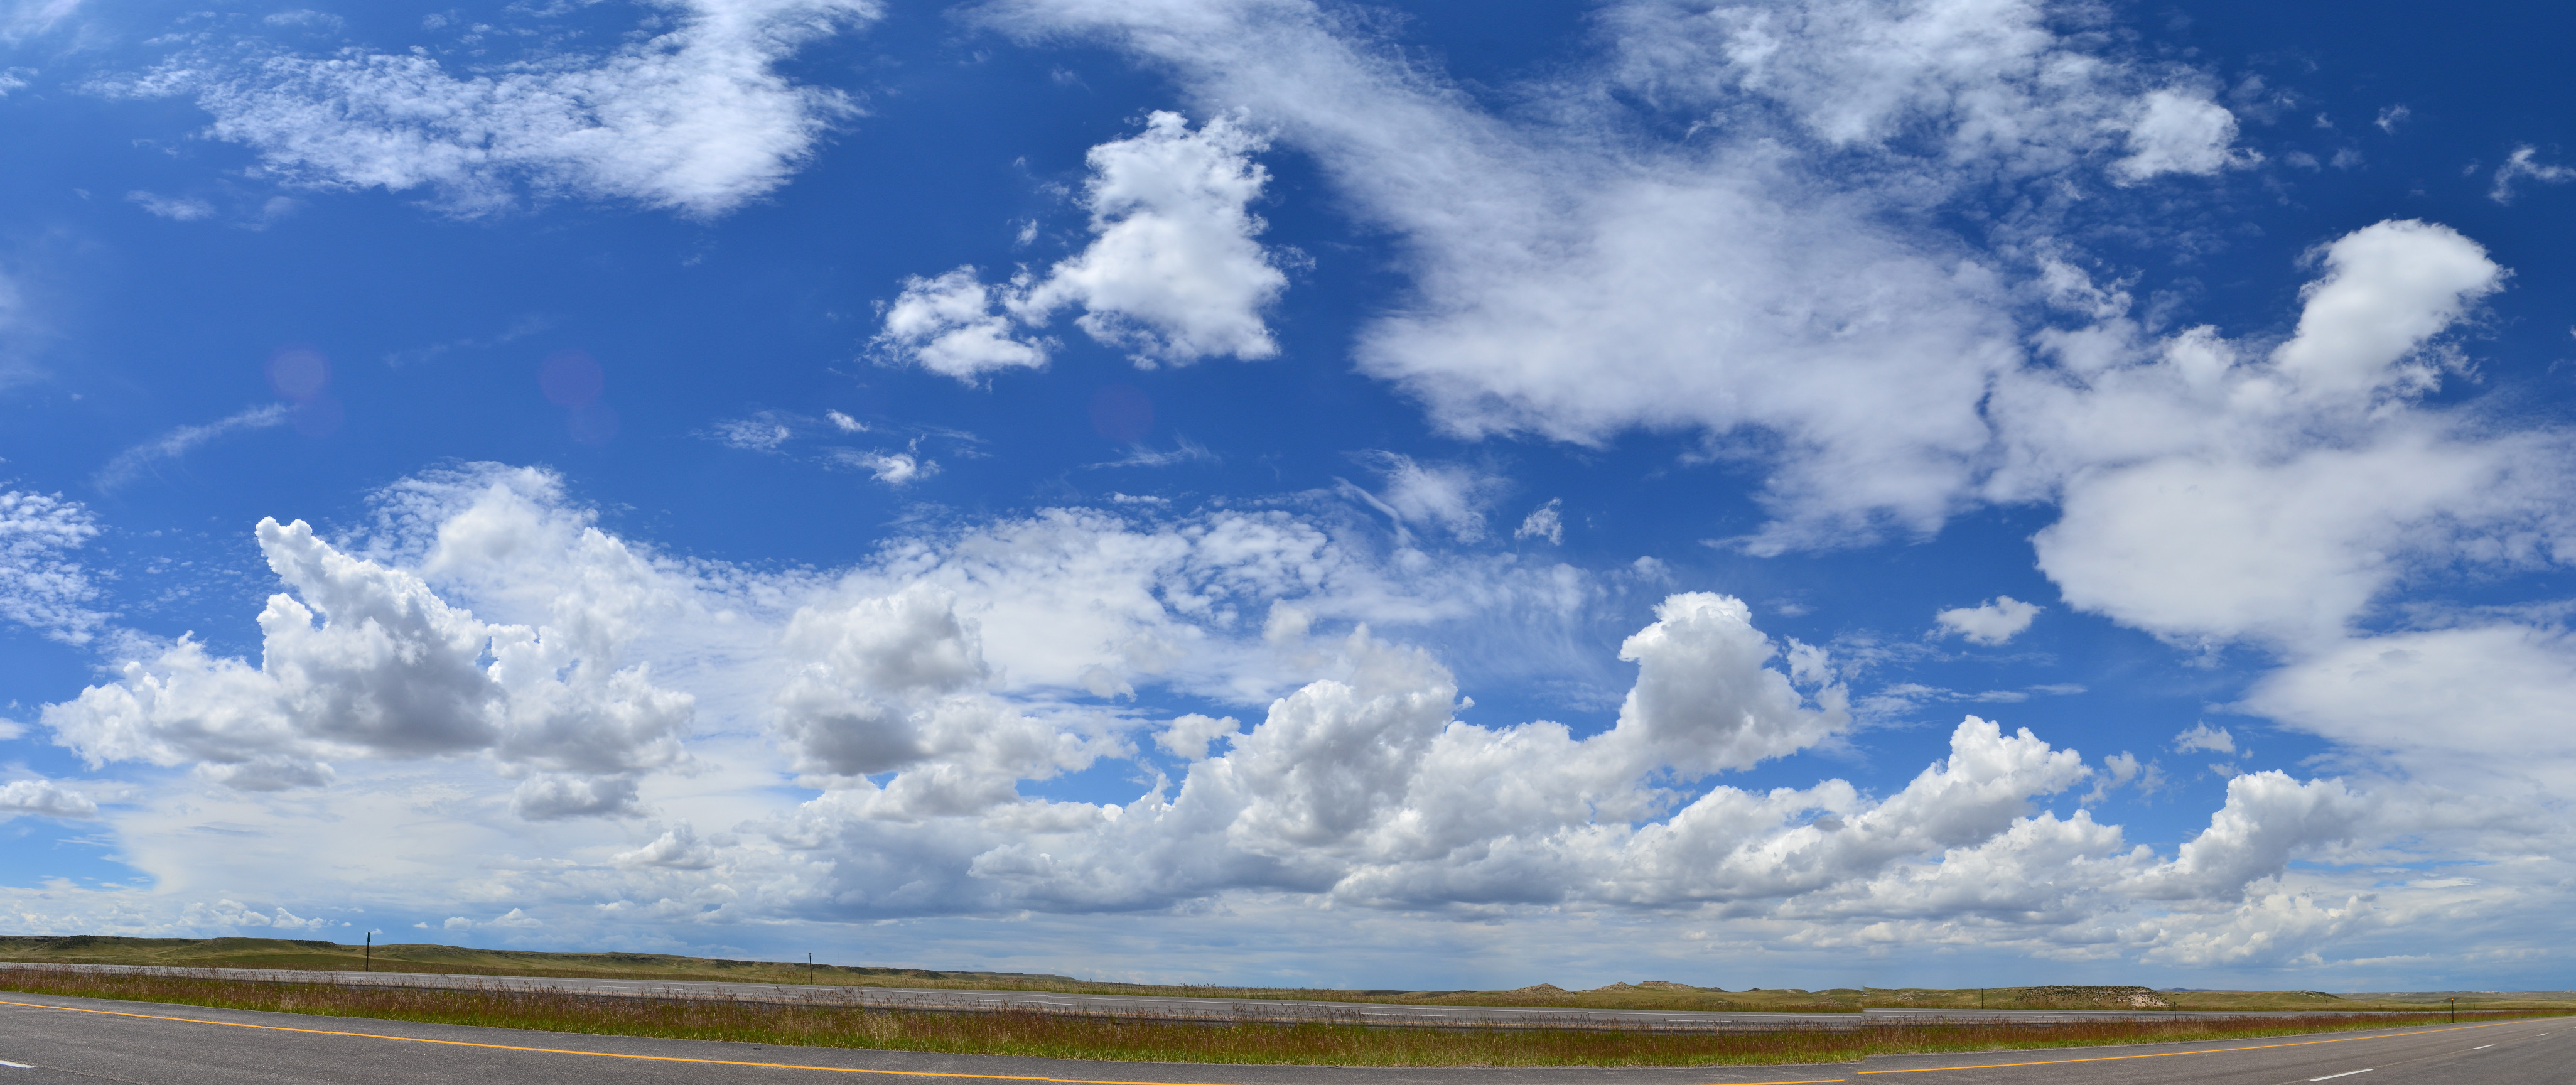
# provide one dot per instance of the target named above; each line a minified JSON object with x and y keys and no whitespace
{"x":828,"y":1019}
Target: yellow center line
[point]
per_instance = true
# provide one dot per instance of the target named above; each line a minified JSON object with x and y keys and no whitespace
{"x":672,"y":1058}
{"x":2177,"y":1054}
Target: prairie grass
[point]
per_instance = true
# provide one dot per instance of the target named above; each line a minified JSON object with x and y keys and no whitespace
{"x":825,"y":1019}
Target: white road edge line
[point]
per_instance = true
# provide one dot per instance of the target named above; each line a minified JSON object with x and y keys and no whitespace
{"x":2481,"y":1047}
{"x":2347,"y":1073}
{"x":15,"y":1065}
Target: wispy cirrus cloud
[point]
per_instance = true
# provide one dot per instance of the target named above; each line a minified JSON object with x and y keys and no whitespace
{"x":140,"y":459}
{"x":695,"y":118}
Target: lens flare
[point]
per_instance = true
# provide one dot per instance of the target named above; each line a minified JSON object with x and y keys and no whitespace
{"x":570,"y":378}
{"x":1122,"y":414}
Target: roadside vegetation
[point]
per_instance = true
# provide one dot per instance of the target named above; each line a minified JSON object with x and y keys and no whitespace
{"x":291,"y":955}
{"x":824,"y":1017}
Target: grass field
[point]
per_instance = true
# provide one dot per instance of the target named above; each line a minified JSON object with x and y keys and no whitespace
{"x":827,"y":1019}
{"x":279,"y":954}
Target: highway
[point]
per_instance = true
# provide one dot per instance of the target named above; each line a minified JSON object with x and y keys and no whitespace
{"x":48,"y":1040}
{"x":1369,"y":1013}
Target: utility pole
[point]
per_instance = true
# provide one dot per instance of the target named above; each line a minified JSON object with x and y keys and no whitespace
{"x":809,"y":970}
{"x":367,"y":963}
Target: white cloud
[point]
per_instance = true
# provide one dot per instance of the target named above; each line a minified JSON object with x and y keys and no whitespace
{"x":2388,"y":289}
{"x":1994,"y":621}
{"x":695,"y":119}
{"x":2120,"y":770}
{"x":2179,"y":132}
{"x":762,"y":432}
{"x":23,"y":19}
{"x":949,"y":326}
{"x":899,"y":684}
{"x":2210,"y":496}
{"x":174,"y":208}
{"x":390,"y":671}
{"x":2522,"y":166}
{"x":1188,"y":736}
{"x":521,"y":328}
{"x":1746,"y":283}
{"x":1183,"y":450}
{"x":1450,"y":497}
{"x":2268,"y":818}
{"x":2390,"y":117}
{"x":1172,"y":274}
{"x":44,"y":798}
{"x":678,"y":848}
{"x":233,"y":913}
{"x":179,"y":442}
{"x":2202,"y":736}
{"x":891,"y":468}
{"x":40,"y":586}
{"x":918,"y":690}
{"x":2467,"y":705}
{"x":305,"y":17}
{"x":1544,"y":522}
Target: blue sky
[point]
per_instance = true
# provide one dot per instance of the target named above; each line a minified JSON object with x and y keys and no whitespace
{"x":1447,"y":495}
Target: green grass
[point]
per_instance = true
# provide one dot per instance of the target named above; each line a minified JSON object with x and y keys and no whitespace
{"x":826,"y":1019}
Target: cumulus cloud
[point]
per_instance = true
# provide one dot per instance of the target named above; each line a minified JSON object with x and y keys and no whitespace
{"x":1365,"y":790}
{"x":949,"y":325}
{"x":695,"y":119}
{"x":2179,"y":132}
{"x":920,"y":690}
{"x":888,"y":682}
{"x":44,"y":798}
{"x":2523,"y":165}
{"x":1187,"y":737}
{"x":2201,"y":737}
{"x":41,"y":587}
{"x":1994,"y":621}
{"x":370,"y":663}
{"x":1173,"y":272}
{"x":678,"y":848}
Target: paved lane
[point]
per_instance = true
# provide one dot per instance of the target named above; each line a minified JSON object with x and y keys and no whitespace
{"x":62,"y":1040}
{"x":1371,"y":1013}
{"x":2496,"y":1053}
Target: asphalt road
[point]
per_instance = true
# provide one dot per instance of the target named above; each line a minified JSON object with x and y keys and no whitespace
{"x":1371,"y":1013}
{"x":46,"y":1040}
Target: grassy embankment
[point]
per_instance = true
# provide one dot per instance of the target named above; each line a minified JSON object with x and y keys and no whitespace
{"x":828,"y":1020}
